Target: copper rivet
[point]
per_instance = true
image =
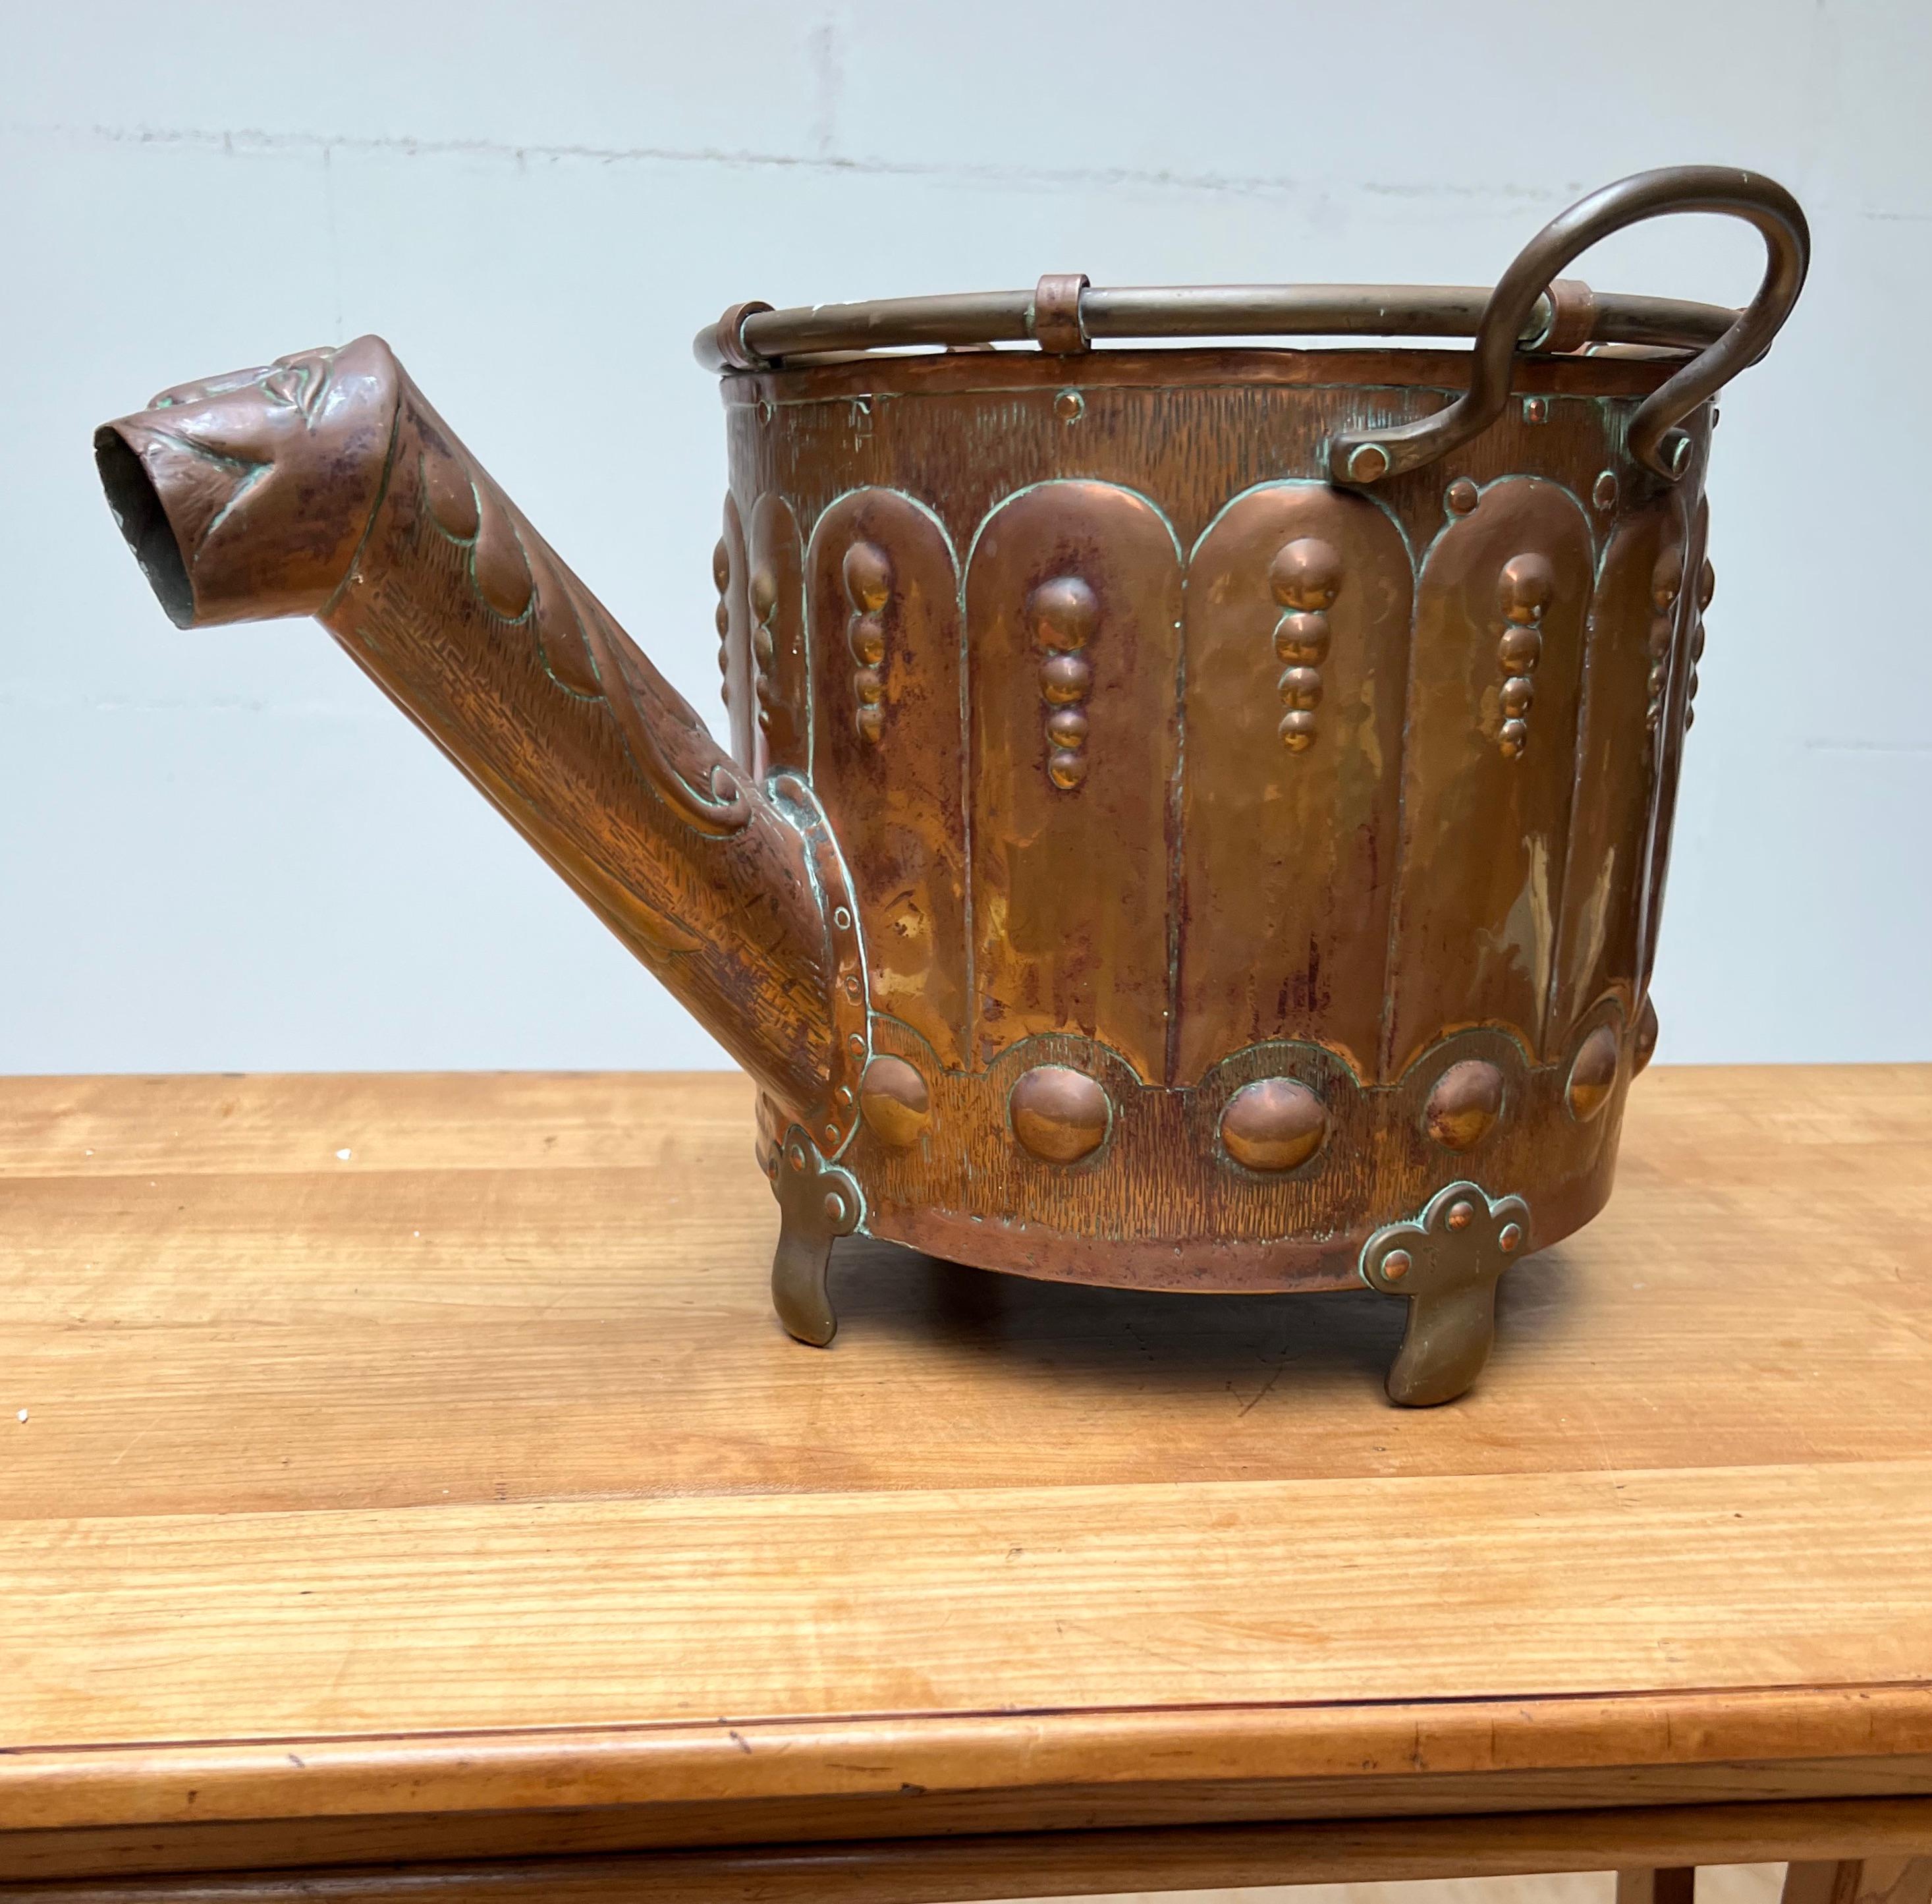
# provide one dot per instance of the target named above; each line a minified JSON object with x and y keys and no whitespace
{"x":895,"y":1102}
{"x":1069,"y":406}
{"x":866,"y":639}
{"x":1592,"y":1074}
{"x":1516,"y":694}
{"x":1302,"y":635}
{"x":1306,"y":573}
{"x":1466,"y":1100}
{"x":1525,"y":586}
{"x":1063,"y":612}
{"x":721,"y":566}
{"x":1519,"y":650}
{"x":1066,"y":727}
{"x":1666,"y":578}
{"x":795,"y":1156}
{"x":835,"y":1206}
{"x":868,"y":571}
{"x":831,"y":1133}
{"x":1395,"y":1265}
{"x":856,"y":1045}
{"x":843,"y":1096}
{"x":1461,"y":1215}
{"x":1065,"y":677}
{"x":1367,"y":461}
{"x":1461,"y":496}
{"x":1066,"y":768}
{"x":841,"y":917}
{"x":852,"y":985}
{"x":1645,"y":1041}
{"x":1603,"y":492}
{"x":1298,"y":731}
{"x":1301,"y":687}
{"x":1535,"y":409}
{"x":1509,"y":1239}
{"x":1513,"y":738}
{"x":1274,"y":1124}
{"x":1059,"y":1114}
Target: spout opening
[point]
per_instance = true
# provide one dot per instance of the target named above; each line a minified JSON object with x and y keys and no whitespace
{"x":137,"y":509}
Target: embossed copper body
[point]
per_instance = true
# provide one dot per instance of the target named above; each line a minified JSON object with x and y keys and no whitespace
{"x":1195,"y":818}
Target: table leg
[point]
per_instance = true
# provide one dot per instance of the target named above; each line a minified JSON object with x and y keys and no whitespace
{"x":1861,"y":1881}
{"x":1667,"y":1883}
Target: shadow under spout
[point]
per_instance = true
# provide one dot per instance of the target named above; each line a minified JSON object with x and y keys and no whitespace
{"x":325,"y":486}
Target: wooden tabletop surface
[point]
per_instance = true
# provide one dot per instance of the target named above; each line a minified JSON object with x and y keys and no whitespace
{"x":410,"y":1467}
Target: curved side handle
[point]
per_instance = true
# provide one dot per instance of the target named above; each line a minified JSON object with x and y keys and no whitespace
{"x":1365,"y":456}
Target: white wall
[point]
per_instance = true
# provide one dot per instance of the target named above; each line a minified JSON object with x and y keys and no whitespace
{"x":223,"y":850}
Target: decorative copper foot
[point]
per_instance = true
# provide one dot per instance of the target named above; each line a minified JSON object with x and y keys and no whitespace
{"x":816,"y":1202}
{"x":1446,"y":1263}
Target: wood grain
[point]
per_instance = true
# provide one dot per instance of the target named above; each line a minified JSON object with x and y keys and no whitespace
{"x":1860,"y":1881}
{"x":528,"y":1822}
{"x":466,"y":1477}
{"x":1076,"y":1864}
{"x":690,"y":1608}
{"x":493,"y":1296}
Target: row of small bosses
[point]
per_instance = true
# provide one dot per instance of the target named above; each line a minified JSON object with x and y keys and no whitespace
{"x":1272,"y":1124}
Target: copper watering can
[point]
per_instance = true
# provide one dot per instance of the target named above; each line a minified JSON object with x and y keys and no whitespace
{"x":1196,"y":818}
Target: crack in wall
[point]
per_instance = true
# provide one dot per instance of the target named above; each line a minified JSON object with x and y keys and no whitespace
{"x":244,"y":142}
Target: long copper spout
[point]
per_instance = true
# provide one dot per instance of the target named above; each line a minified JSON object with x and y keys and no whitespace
{"x":324,"y":484}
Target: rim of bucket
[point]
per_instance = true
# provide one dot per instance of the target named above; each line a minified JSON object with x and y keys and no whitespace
{"x":1065,"y":316}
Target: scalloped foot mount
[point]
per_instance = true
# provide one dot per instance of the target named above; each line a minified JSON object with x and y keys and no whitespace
{"x":1446,"y":1263}
{"x":817,"y":1202}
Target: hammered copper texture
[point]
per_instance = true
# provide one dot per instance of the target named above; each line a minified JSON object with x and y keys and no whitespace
{"x":1480,"y":876}
{"x":902,"y":794}
{"x":1674,"y":711}
{"x":440,"y":589}
{"x":1140,"y":750}
{"x":731,"y":572}
{"x":1071,"y":898}
{"x":1191,"y":807}
{"x":1596,"y":949}
{"x":1358,"y":914}
{"x":1284,"y":853}
{"x":780,"y":664}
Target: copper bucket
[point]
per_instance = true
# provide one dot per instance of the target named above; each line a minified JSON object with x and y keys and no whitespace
{"x":1231,"y":786}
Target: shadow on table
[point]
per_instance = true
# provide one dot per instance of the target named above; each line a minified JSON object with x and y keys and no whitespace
{"x":1175,"y":1342}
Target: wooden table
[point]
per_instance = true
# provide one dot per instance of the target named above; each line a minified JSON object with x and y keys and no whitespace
{"x":414,"y":1491}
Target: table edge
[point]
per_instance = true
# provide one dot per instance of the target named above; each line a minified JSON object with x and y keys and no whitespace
{"x":161,"y":1782}
{"x":925,"y":1871}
